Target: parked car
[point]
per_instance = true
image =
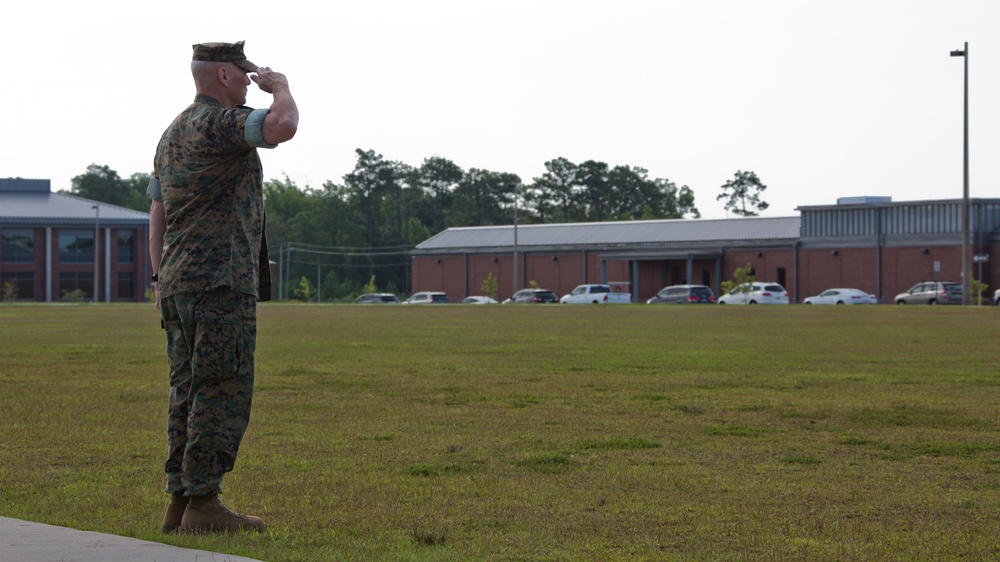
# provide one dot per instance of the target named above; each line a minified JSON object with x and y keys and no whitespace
{"x":683,"y":294}
{"x":377,"y":298}
{"x":596,"y":294}
{"x":479,"y":300}
{"x":932,"y":292}
{"x":756,"y":293}
{"x":996,"y":297}
{"x":842,"y":296}
{"x":533,"y":296}
{"x":427,"y":297}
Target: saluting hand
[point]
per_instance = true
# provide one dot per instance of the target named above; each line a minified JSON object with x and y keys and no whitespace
{"x":269,"y":80}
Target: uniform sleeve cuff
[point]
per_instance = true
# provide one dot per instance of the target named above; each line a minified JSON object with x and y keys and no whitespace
{"x":254,"y":130}
{"x":153,"y":189}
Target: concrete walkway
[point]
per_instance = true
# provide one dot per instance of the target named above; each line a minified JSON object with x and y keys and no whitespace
{"x":24,"y":541}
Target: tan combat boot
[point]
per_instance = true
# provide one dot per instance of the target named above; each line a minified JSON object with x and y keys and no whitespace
{"x":175,"y":511}
{"x":206,"y":514}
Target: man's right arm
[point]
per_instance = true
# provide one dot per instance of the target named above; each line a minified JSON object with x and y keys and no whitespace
{"x":282,"y":120}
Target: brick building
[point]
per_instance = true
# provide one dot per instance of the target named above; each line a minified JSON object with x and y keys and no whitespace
{"x":52,"y":244}
{"x":872,"y":244}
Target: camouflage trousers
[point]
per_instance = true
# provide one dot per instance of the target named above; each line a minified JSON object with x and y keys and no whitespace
{"x":211,"y":339}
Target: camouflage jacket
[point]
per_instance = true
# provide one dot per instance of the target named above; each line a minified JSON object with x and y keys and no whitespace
{"x":209,"y":177}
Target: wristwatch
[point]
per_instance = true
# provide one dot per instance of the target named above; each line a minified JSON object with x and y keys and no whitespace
{"x":156,"y":277}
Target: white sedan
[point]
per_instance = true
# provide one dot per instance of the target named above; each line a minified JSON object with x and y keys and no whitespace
{"x":478,"y":300}
{"x":842,"y":296}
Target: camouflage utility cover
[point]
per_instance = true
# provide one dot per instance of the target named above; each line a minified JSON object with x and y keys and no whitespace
{"x":223,"y":52}
{"x":211,"y":183}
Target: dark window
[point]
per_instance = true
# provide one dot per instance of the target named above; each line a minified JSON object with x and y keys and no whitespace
{"x":76,"y":246}
{"x":18,"y":285}
{"x":126,"y":246}
{"x":18,"y":245}
{"x":126,"y":285}
{"x":781,"y":277}
{"x":70,"y":281}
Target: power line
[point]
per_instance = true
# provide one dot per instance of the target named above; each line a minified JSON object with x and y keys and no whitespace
{"x":344,"y":248}
{"x":348,"y":254}
{"x":335,"y":265}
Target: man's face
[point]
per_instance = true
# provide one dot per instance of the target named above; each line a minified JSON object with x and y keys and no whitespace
{"x":238,"y":80}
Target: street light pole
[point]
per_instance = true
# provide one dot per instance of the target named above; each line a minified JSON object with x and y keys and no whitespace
{"x":97,"y":231}
{"x":966,"y":268}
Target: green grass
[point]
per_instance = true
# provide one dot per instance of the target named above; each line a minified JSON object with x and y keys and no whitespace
{"x":534,"y":432}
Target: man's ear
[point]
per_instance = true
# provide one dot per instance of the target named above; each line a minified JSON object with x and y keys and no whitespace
{"x":222,"y":74}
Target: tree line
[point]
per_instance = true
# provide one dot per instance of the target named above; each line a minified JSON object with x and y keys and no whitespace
{"x":342,"y":238}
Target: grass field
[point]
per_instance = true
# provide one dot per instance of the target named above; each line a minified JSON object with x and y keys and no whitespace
{"x":535,"y":432}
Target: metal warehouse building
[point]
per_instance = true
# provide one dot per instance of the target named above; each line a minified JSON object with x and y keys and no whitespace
{"x":869,"y":243}
{"x":56,"y":243}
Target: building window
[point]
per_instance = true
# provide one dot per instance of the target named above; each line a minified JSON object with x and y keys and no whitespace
{"x":72,"y":281}
{"x":782,"y":277}
{"x":126,"y":246}
{"x":76,"y":246}
{"x":18,"y":285}
{"x":18,"y":245}
{"x":126,"y":285}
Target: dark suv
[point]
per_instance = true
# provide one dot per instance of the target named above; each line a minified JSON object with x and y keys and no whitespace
{"x":932,"y":292}
{"x":683,"y":294}
{"x":534,"y":295}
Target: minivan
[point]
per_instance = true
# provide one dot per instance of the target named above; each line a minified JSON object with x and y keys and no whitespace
{"x":683,"y":294}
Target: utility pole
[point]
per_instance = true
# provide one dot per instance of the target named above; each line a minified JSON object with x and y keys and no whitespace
{"x":515,"y":240}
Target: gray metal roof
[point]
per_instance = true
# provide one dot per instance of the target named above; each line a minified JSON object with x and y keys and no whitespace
{"x":616,"y":233}
{"x":22,"y":184}
{"x":36,"y":208}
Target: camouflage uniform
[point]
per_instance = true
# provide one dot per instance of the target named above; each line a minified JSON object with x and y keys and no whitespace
{"x":214,"y":269}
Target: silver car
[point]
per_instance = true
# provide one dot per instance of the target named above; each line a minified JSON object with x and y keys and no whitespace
{"x":932,"y":292}
{"x":683,"y":294}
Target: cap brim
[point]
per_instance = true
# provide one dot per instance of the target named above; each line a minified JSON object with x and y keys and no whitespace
{"x":246,"y":65}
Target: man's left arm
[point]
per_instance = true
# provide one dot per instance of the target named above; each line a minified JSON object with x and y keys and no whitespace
{"x":157,"y":228}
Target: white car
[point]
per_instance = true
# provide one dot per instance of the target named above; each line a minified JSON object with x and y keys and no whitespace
{"x":842,"y":296}
{"x":427,"y":297}
{"x":478,"y":300}
{"x":596,"y":294}
{"x":756,"y":293}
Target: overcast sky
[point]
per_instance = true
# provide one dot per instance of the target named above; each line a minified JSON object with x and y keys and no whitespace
{"x":821,"y":99}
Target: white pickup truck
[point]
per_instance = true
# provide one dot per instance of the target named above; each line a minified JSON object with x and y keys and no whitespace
{"x":596,"y":294}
